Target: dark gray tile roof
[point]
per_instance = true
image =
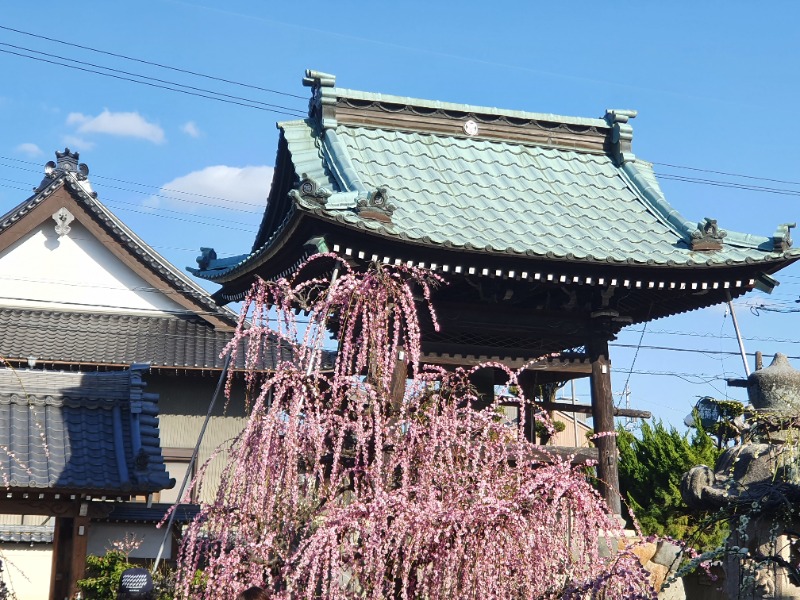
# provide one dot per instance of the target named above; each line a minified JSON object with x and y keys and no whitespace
{"x":138,"y":512}
{"x":93,"y":433}
{"x":26,"y":534}
{"x":114,"y":339}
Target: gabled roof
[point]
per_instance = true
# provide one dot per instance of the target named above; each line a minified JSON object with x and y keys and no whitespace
{"x":94,"y":433}
{"x":486,"y":182}
{"x":66,"y":185}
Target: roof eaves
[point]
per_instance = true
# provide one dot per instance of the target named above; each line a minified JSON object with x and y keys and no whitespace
{"x":644,"y":180}
{"x":257,"y":257}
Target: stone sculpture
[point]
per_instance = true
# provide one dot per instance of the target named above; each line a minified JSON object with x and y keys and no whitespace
{"x":758,"y":483}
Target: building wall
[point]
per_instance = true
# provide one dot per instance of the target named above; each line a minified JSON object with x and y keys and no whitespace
{"x":26,"y":569}
{"x":183,"y":404}
{"x":71,"y":272}
{"x":574,"y":434}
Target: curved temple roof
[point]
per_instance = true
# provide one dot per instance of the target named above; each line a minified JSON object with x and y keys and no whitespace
{"x":485,"y":181}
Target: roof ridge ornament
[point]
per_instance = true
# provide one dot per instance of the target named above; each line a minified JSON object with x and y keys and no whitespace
{"x":376,"y":206}
{"x":320,"y":106}
{"x":708,"y":236}
{"x":66,"y":162}
{"x":308,"y":190}
{"x":621,"y":133}
{"x":782,"y":238}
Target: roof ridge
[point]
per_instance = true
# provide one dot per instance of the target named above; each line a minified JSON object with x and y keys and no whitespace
{"x":475,"y":109}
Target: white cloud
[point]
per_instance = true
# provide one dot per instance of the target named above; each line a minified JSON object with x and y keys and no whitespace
{"x":125,"y":124}
{"x":77,"y":143}
{"x":29,"y":149}
{"x":243,"y":189}
{"x":191,"y":129}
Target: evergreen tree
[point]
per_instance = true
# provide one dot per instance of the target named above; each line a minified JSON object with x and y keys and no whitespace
{"x":650,"y":470}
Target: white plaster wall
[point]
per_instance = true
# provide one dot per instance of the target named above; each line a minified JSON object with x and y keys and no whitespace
{"x":27,"y":569}
{"x":73,"y":272}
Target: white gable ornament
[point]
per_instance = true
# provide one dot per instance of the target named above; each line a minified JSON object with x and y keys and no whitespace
{"x":63,"y":218}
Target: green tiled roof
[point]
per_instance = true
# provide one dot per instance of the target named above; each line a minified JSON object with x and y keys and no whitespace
{"x":526,"y":185}
{"x":499,"y":197}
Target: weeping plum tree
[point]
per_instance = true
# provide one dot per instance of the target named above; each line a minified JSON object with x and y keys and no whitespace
{"x":335,"y":489}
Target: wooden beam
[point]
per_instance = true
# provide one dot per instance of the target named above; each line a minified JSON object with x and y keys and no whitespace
{"x":568,"y":407}
{"x":603,"y":415}
{"x":579,"y":456}
{"x":579,"y":364}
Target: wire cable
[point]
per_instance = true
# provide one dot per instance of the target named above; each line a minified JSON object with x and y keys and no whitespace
{"x":148,"y":78}
{"x":727,"y":173}
{"x":153,"y":64}
{"x":288,"y":111}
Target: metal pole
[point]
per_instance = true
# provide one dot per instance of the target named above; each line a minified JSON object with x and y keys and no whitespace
{"x":574,"y":414}
{"x":739,"y":337}
{"x":168,"y":528}
{"x":316,"y":349}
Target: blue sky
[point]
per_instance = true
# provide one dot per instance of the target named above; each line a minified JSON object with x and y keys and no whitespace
{"x":715,"y":85}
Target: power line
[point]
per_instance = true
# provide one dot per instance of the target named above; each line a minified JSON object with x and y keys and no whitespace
{"x":731,"y":185}
{"x":727,"y":174}
{"x":248,"y":104}
{"x":154,"y":64}
{"x":95,"y":176}
{"x":146,"y":77}
{"x":123,"y":206}
{"x":690,"y":350}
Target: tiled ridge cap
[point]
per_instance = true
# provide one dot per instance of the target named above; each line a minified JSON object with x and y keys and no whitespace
{"x":453,"y":110}
{"x":331,"y":106}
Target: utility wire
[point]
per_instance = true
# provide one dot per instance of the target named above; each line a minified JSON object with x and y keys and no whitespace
{"x":731,"y":185}
{"x":95,"y":176}
{"x":147,"y":78}
{"x":124,"y":206}
{"x":288,"y":111}
{"x":727,"y":174}
{"x":154,"y":64}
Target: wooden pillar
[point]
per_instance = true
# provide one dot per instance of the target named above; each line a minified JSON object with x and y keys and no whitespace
{"x":603,"y":415}
{"x":527,"y":381}
{"x":70,"y":542}
{"x":399,"y":376}
{"x":483,"y":380}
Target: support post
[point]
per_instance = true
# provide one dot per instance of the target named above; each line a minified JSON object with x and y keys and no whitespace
{"x":70,"y":543}
{"x":398,"y":384}
{"x":483,"y":380}
{"x":603,"y":415}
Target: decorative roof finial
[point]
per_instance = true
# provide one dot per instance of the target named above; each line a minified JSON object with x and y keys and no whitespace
{"x":376,"y":206}
{"x":707,"y":237}
{"x":782,"y":238}
{"x":310,"y":191}
{"x":320,"y":106}
{"x":318,"y":79}
{"x":66,"y":162}
{"x":621,"y":133}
